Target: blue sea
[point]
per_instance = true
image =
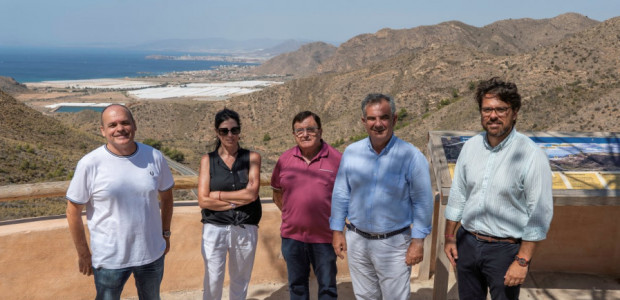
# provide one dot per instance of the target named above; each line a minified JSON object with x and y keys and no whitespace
{"x":43,"y":64}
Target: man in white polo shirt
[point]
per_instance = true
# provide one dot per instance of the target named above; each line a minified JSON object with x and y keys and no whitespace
{"x":119,"y":183}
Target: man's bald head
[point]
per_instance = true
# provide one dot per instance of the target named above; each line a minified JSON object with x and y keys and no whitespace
{"x":121,"y":106}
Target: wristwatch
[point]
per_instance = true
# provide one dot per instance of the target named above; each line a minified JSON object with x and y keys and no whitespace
{"x":522,"y":261}
{"x":166,"y":233}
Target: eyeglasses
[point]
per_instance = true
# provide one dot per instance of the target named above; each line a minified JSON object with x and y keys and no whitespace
{"x":500,"y":111}
{"x":225,"y":131}
{"x":309,"y":130}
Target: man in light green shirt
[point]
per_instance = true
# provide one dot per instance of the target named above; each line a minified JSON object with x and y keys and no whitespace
{"x":501,"y":194}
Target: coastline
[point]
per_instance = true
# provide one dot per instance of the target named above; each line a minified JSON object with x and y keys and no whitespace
{"x":37,"y":64}
{"x":215,"y":84}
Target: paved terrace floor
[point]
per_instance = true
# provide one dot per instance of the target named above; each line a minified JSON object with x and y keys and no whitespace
{"x":538,"y":286}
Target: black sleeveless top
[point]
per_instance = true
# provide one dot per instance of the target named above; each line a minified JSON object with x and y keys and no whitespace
{"x":225,"y":180}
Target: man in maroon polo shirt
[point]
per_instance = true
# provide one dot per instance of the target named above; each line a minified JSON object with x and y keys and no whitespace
{"x":302,"y":183}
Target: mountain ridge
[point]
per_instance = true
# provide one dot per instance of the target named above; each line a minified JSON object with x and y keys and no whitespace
{"x":505,"y":37}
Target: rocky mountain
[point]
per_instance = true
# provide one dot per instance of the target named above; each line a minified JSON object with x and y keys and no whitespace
{"x":10,"y":86}
{"x":286,"y":46}
{"x":299,"y":63}
{"x":506,"y":37}
{"x":528,"y":34}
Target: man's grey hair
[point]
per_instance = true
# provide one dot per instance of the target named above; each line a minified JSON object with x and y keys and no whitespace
{"x":377,"y":98}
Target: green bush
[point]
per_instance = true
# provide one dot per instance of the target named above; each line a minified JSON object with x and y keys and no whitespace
{"x":174,"y":154}
{"x":153,"y":143}
{"x":455,"y":93}
{"x":444,"y":102}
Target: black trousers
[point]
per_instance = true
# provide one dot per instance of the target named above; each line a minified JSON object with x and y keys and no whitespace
{"x":482,"y":265}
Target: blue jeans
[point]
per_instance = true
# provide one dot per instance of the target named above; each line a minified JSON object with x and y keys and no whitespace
{"x":110,"y":282}
{"x":299,"y":256}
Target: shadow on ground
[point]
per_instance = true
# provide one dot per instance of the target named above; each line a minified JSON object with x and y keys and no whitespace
{"x":345,"y":291}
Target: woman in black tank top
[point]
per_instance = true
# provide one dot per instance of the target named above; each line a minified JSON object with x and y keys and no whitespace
{"x":228,"y":187}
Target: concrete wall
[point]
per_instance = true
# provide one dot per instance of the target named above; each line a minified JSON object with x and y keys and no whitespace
{"x":38,"y":259}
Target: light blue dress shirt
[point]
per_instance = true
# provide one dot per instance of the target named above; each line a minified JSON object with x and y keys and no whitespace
{"x":381,"y":193}
{"x":502,"y":191}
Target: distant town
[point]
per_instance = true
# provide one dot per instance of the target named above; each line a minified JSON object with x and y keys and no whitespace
{"x":236,"y":59}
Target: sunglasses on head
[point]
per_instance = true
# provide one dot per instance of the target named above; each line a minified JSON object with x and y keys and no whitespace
{"x":225,"y":131}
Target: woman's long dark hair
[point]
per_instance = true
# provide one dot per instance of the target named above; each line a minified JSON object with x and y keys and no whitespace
{"x":221,"y":116}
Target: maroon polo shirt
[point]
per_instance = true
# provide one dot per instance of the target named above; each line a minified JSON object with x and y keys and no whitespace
{"x":306,"y":193}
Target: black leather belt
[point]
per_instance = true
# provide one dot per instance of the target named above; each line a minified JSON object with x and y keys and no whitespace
{"x":375,"y":236}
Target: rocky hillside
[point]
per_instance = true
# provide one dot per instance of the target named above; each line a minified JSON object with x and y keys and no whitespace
{"x":10,"y":86}
{"x":506,"y":37}
{"x":299,"y":63}
{"x":525,"y":35}
{"x":34,"y":147}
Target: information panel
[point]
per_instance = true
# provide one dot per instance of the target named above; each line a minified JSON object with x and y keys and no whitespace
{"x":582,"y":163}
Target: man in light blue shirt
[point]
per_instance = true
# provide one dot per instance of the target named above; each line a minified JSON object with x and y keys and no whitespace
{"x":383,"y":188}
{"x":501,"y":193}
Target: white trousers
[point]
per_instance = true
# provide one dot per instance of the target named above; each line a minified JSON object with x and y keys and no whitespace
{"x":240,"y":245}
{"x":378,"y":268}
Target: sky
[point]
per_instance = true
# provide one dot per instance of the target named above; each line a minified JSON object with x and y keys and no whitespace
{"x":133,"y":22}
